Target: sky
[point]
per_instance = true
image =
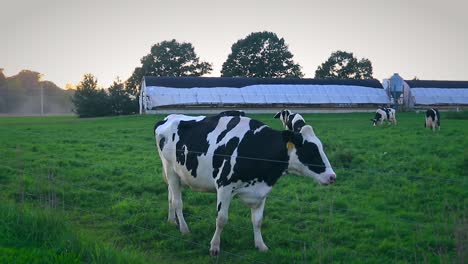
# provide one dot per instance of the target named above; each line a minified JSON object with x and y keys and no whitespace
{"x":64,"y":39}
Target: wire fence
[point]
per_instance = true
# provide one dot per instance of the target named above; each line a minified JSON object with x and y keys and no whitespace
{"x":463,"y":180}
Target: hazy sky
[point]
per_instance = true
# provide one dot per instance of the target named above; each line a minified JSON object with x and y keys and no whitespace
{"x":63,"y":39}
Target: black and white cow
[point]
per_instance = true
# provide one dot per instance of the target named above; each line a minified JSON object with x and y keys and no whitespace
{"x":432,"y":119}
{"x":291,"y":121}
{"x":233,"y":155}
{"x":384,"y":114}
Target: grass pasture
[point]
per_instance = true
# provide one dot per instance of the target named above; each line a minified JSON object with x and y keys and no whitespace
{"x":90,"y":190}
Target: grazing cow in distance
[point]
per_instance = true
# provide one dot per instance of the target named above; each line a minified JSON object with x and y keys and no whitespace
{"x":384,"y":114}
{"x":432,"y":119}
{"x":233,"y":155}
{"x":291,"y":121}
{"x":232,"y":113}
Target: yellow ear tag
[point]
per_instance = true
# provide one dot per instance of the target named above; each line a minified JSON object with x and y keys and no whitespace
{"x":290,"y":145}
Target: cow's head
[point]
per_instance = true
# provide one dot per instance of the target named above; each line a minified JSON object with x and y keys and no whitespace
{"x":283,"y":116}
{"x":306,"y":155}
{"x":376,"y":118}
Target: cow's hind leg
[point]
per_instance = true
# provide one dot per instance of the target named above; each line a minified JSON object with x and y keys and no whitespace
{"x":176,"y":200}
{"x":257,"y":216}
{"x":224,"y":197}
{"x":171,"y":218}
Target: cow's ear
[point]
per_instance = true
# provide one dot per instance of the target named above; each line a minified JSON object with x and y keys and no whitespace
{"x":307,"y":131}
{"x":277,"y":114}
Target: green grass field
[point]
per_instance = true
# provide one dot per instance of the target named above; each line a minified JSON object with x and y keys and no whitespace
{"x":90,"y":190}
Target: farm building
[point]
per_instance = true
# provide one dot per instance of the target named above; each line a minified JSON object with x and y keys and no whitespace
{"x":421,"y":94}
{"x":208,"y":94}
{"x":444,"y":94}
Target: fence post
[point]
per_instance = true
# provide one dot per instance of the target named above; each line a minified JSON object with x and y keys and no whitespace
{"x":304,"y":254}
{"x":42,"y":100}
{"x":20,"y":170}
{"x":63,"y":198}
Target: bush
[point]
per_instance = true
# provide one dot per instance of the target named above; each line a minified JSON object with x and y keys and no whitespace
{"x":90,"y":101}
{"x":91,"y":104}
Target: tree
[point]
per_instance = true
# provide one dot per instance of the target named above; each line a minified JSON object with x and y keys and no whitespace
{"x":2,"y":77}
{"x":21,"y":93}
{"x":168,"y":58}
{"x":343,"y":65}
{"x":3,"y":92}
{"x":120,"y":101}
{"x":29,"y":79}
{"x":261,"y":54}
{"x":89,"y":100}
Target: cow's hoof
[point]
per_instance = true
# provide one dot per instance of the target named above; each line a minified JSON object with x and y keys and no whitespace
{"x":262,"y":248}
{"x":172,"y":221}
{"x":214,"y":251}
{"x":184,"y":231}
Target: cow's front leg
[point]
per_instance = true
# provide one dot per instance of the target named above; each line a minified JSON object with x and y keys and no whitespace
{"x":224,"y":196}
{"x":257,"y":216}
{"x":176,"y":201}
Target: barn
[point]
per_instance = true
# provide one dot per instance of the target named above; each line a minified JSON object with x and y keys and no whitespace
{"x":443,"y":94}
{"x":258,"y":95}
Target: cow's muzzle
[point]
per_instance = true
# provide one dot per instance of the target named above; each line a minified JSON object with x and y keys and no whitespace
{"x":328,"y":179}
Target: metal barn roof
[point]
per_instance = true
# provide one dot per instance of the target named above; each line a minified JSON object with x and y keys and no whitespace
{"x":238,"y":82}
{"x":438,"y":84}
